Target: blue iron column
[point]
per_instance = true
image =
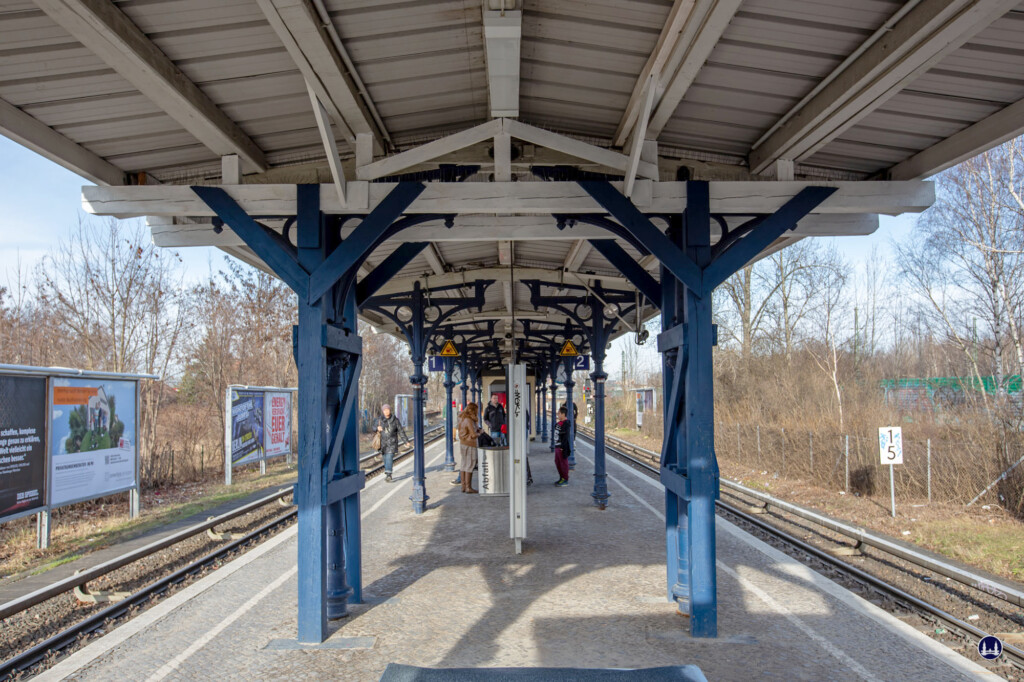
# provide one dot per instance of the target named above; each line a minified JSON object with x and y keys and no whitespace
{"x":554,"y":403}
{"x":569,"y":384}
{"x":418,"y":349}
{"x":449,"y":448}
{"x":466,"y":372}
{"x":599,"y":376}
{"x":537,"y":405}
{"x":543,"y":407}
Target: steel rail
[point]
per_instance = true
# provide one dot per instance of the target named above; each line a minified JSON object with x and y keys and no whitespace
{"x":1010,"y":594}
{"x":1012,"y":653}
{"x":67,"y":636}
{"x":62,"y":639}
{"x":42,"y":594}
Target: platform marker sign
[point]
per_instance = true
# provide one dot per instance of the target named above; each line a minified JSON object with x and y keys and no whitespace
{"x":890,"y":451}
{"x":568,"y":349}
{"x":890,"y":444}
{"x":448,"y":350}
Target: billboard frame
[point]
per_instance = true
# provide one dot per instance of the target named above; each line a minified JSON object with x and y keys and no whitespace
{"x":228,"y":464}
{"x":43,"y":514}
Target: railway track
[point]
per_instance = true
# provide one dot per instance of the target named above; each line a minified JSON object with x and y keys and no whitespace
{"x":958,"y":606}
{"x":151,"y":572}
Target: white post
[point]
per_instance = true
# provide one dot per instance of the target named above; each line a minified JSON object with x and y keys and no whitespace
{"x":929,"y":471}
{"x":263,"y":467}
{"x":811,"y":446}
{"x":783,"y":452}
{"x":227,"y":437}
{"x":892,"y":490}
{"x":847,"y":463}
{"x":134,"y":502}
{"x":759,"y":445}
{"x":43,"y":529}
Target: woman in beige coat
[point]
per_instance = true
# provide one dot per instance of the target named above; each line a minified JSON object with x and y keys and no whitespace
{"x":468,"y":431}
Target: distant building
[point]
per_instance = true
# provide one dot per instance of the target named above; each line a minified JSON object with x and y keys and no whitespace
{"x":943,"y":393}
{"x":98,"y":411}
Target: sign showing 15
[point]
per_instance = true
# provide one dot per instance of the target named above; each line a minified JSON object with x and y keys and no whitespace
{"x":890,"y":444}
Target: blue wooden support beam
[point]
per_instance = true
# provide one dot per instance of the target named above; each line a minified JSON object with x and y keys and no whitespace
{"x":386,"y":269}
{"x":313,"y":556}
{"x":629,"y":268}
{"x":362,"y":239}
{"x":699,"y":417}
{"x":736,"y":256}
{"x":346,"y":486}
{"x":269,"y":246}
{"x":623,"y":210}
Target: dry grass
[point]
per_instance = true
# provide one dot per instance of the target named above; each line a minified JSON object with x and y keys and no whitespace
{"x":986,"y":536}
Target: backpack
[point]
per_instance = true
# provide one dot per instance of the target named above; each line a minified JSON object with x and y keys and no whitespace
{"x":484,"y":441}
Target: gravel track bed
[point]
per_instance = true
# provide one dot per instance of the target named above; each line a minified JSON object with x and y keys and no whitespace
{"x":37,"y":623}
{"x":42,"y":621}
{"x":994,"y":614}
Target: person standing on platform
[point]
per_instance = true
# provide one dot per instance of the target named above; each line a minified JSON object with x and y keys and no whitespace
{"x":495,"y":418}
{"x":388,"y":428}
{"x":468,"y":432}
{"x":575,"y":416}
{"x":563,"y":447}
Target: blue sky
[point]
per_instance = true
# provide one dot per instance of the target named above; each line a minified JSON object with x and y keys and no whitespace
{"x":41,"y":202}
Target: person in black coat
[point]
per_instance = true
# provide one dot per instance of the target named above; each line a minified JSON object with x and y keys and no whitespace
{"x":563,"y":447}
{"x":389,"y":427}
{"x":495,"y":418}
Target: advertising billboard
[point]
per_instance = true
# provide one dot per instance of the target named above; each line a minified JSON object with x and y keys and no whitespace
{"x":22,"y":447}
{"x":93,"y":438}
{"x":246,"y":426}
{"x":279,"y":424}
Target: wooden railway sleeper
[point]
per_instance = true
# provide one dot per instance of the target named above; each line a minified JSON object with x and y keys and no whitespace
{"x":85,"y":596}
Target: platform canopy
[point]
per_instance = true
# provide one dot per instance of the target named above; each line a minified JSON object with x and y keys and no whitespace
{"x":500,"y":106}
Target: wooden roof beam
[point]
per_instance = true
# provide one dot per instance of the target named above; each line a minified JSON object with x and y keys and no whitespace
{"x":691,"y":32}
{"x":108,"y":33}
{"x":45,"y":141}
{"x":319,"y":57}
{"x":1005,"y":124}
{"x":910,"y":43}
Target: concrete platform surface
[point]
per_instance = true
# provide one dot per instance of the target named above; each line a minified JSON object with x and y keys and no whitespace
{"x":446,"y":589}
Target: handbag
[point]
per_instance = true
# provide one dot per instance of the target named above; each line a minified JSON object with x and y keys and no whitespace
{"x":376,"y":441}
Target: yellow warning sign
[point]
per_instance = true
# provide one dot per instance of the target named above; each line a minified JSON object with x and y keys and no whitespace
{"x":568,"y":349}
{"x":448,"y":350}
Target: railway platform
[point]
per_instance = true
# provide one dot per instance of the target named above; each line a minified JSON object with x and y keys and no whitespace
{"x":445,"y":590}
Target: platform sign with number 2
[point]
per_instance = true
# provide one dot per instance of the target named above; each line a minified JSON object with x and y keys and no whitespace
{"x":890,"y":444}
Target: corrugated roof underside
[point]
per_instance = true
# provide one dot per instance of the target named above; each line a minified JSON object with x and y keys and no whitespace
{"x":974,"y":81}
{"x":771,"y":55}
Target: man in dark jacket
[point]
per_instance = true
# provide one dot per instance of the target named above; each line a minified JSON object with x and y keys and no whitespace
{"x":494,"y":417}
{"x":575,"y":416}
{"x":389,"y":428}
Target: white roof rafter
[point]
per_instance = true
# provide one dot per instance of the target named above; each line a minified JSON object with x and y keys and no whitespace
{"x":903,"y":48}
{"x":109,"y":34}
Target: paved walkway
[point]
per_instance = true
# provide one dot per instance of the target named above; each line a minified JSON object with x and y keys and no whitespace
{"x":446,"y":589}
